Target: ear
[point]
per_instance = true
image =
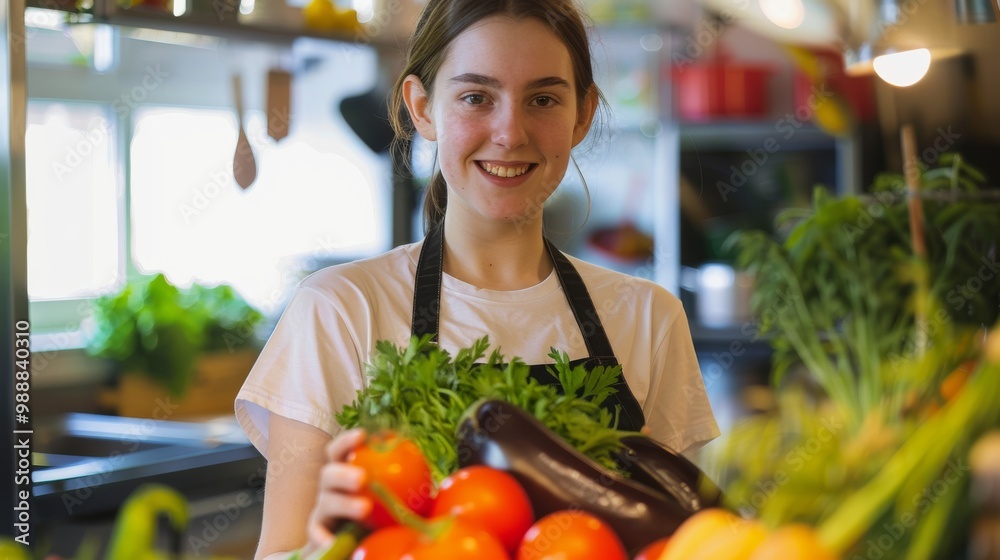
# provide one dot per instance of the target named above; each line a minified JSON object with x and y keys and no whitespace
{"x":585,"y":116}
{"x":418,"y":104}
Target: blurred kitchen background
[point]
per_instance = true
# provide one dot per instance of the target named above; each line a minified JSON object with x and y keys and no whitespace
{"x":722,"y":113}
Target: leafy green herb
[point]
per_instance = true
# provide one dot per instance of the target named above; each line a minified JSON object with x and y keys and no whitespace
{"x":838,"y":293}
{"x":155,"y":328}
{"x":878,"y":329}
{"x":423,"y":392}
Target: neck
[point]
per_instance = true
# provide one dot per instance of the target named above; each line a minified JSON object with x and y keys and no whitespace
{"x":496,"y":256}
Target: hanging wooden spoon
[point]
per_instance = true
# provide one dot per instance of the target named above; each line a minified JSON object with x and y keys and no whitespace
{"x":244,"y":165}
{"x":279,"y":100}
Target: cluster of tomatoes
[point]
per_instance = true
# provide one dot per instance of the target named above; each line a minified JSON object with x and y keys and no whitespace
{"x":476,"y":512}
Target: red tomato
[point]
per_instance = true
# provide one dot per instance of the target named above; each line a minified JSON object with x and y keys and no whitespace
{"x":490,"y":498}
{"x":459,"y":540}
{"x":396,"y":463}
{"x":389,"y":543}
{"x":571,"y":535}
{"x":653,"y":550}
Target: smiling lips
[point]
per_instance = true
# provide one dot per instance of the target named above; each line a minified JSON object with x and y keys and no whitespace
{"x":505,"y":170}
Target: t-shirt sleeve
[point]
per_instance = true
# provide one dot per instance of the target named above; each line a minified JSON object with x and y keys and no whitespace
{"x":677,"y":408}
{"x":310,"y":367}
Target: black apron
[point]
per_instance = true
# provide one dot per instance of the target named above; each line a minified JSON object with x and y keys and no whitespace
{"x":427,"y":315}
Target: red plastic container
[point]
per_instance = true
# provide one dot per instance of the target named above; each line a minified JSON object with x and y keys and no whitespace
{"x":721,"y":89}
{"x":857,"y":91}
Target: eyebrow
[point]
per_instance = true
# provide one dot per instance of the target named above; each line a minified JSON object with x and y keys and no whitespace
{"x":488,"y":81}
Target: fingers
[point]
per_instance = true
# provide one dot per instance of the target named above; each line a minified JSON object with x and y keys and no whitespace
{"x":340,"y":446}
{"x":341,"y":477}
{"x":339,"y":484}
{"x":323,"y":527}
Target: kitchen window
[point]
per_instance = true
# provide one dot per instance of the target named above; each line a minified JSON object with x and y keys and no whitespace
{"x":119,"y":186}
{"x":73,"y":211}
{"x":69,"y":164}
{"x":191,"y":221}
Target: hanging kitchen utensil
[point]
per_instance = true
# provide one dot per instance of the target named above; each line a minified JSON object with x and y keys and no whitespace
{"x":367,"y":113}
{"x":368,"y":116}
{"x":279,"y":103}
{"x":244,"y":165}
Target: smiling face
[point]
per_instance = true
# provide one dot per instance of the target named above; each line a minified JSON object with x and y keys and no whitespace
{"x":505,"y":114}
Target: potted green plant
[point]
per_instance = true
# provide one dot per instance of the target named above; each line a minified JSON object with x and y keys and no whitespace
{"x":161,"y":334}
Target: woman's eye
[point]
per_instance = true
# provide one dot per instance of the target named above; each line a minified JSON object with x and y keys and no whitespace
{"x":544,"y":101}
{"x":474,"y":99}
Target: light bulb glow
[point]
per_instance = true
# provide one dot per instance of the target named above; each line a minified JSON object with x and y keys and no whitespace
{"x":786,"y":14}
{"x":365,"y":9}
{"x":904,"y":68}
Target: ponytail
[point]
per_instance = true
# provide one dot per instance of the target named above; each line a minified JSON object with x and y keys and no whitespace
{"x":435,"y":201}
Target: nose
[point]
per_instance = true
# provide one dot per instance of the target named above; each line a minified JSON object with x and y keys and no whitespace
{"x":509,"y":126}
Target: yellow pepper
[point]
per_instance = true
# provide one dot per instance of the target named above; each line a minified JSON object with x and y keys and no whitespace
{"x":715,"y":534}
{"x":324,"y":15}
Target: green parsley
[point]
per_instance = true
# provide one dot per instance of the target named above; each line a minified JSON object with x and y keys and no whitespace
{"x":423,"y":392}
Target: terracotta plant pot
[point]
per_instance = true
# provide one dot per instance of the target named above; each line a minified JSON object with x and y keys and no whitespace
{"x":218,"y":377}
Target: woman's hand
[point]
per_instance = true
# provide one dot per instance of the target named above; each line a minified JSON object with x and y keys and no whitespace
{"x":337,"y":498}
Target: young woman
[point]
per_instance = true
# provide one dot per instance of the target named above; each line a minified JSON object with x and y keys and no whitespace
{"x":505,"y":89}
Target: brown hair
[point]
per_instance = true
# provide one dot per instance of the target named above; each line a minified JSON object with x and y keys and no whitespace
{"x":441,"y":21}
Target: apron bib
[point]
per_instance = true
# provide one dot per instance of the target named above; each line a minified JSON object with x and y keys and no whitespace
{"x":426,"y":320}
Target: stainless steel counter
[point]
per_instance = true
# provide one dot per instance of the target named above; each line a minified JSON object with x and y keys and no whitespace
{"x":87,"y":464}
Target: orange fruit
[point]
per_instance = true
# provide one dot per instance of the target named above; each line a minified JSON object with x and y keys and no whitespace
{"x":792,"y":542}
{"x":715,"y":534}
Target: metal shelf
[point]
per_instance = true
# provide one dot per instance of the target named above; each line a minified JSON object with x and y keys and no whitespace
{"x":739,"y":135}
{"x":107,"y":12}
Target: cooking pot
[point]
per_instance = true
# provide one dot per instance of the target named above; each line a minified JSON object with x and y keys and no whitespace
{"x":722,"y":294}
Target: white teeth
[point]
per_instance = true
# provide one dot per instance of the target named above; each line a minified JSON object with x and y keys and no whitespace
{"x":504,"y":171}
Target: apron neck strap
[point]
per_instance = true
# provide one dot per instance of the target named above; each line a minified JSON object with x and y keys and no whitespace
{"x":581,"y":304}
{"x":426,"y":319}
{"x":427,"y":285}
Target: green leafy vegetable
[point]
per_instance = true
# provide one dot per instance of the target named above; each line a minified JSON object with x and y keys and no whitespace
{"x":157,"y":329}
{"x":423,"y":392}
{"x":879,"y":330}
{"x":839,"y":292}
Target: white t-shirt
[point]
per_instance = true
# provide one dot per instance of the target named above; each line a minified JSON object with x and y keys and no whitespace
{"x":314,"y":362}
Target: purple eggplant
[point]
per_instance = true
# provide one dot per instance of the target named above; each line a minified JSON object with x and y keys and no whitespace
{"x":558,"y":477}
{"x":653,"y":464}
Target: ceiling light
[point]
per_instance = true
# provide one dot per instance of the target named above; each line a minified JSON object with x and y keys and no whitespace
{"x":786,"y":14}
{"x":904,"y":68}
